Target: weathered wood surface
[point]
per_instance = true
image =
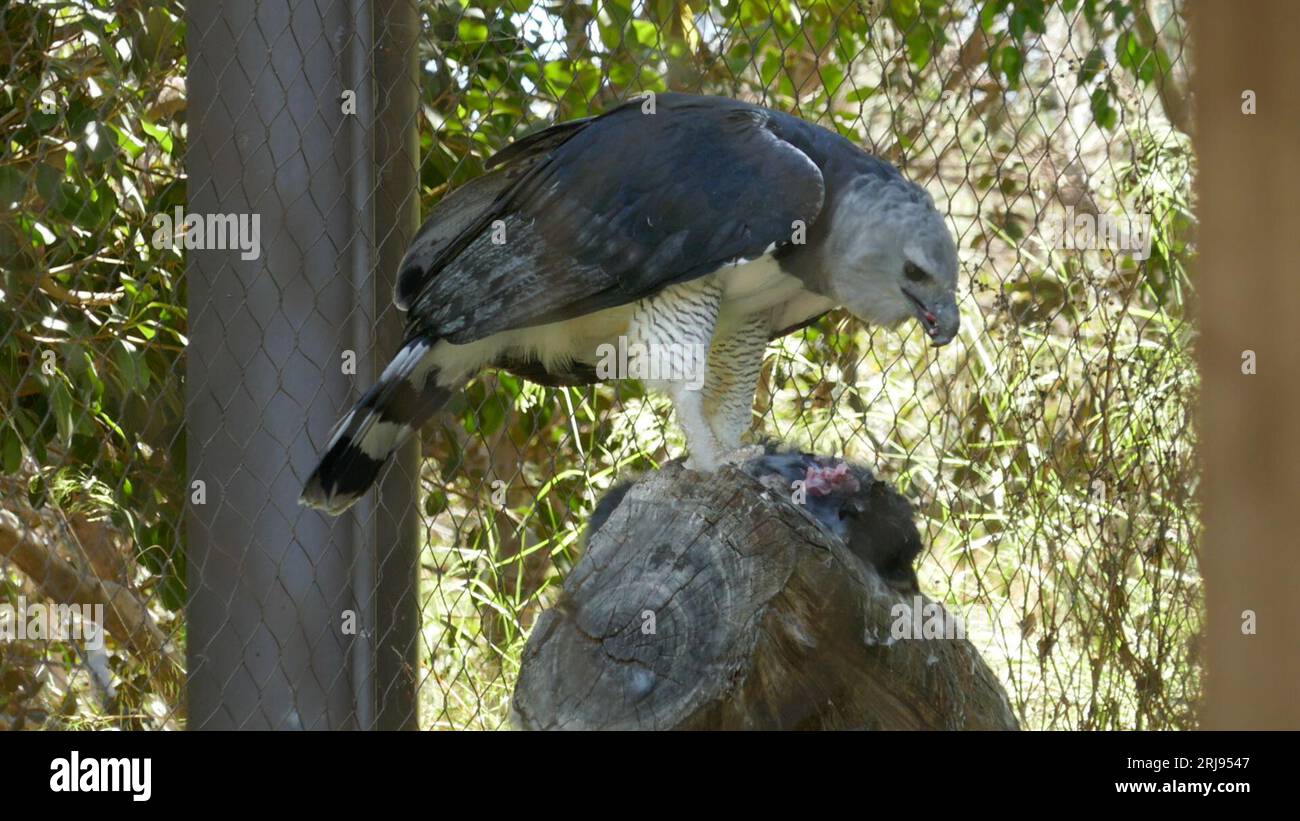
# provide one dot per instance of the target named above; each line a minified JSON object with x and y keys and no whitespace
{"x":706,"y":602}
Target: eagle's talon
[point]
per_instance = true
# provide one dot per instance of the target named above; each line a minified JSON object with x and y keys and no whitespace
{"x":741,"y":454}
{"x":700,"y":465}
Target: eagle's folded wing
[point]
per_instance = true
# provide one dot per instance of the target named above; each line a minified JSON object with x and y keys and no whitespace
{"x":602,"y":212}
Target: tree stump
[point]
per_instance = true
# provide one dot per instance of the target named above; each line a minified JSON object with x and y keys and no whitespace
{"x":708,"y":601}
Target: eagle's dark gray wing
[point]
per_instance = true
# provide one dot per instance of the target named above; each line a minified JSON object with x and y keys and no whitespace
{"x":602,"y":212}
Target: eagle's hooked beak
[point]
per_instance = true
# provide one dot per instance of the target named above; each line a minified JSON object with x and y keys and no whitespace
{"x":940,"y":318}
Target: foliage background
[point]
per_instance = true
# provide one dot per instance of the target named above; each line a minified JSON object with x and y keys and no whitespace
{"x":1049,"y":450}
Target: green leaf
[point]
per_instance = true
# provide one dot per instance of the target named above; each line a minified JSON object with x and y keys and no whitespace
{"x":559,"y":75}
{"x":434,"y":503}
{"x":771,"y":65}
{"x":645,"y":32}
{"x":128,"y":368}
{"x":918,"y":42}
{"x":160,"y":134}
{"x":904,"y":13}
{"x":1102,"y":112}
{"x":61,"y":407}
{"x":1018,"y":23}
{"x":11,"y":450}
{"x":1011,"y":62}
{"x":13,"y":186}
{"x":472,"y":31}
{"x":49,"y":185}
{"x":989,"y":13}
{"x":1129,"y":51}
{"x":832,"y":78}
{"x":1147,"y":70}
{"x":862,"y":94}
{"x":128,"y":142}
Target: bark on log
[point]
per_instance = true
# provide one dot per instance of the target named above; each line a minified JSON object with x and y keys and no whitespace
{"x":708,"y":602}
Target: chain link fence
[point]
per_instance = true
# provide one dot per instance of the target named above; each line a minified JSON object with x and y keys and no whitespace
{"x":1049,"y":451}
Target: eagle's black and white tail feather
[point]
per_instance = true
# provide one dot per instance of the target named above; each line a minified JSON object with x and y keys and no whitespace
{"x":406,"y":395}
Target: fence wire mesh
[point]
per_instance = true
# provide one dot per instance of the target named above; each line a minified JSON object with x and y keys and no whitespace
{"x":1049,"y":451}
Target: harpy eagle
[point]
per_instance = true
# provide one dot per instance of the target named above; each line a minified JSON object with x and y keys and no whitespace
{"x":687,"y":230}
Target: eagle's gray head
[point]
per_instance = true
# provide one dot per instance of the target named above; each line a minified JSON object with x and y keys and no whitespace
{"x":890,"y":256}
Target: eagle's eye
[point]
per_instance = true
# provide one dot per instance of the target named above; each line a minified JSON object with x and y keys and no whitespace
{"x":913,"y":272}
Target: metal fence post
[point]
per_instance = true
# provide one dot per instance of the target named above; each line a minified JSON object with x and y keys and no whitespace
{"x":395,"y":528}
{"x":268,"y":580}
